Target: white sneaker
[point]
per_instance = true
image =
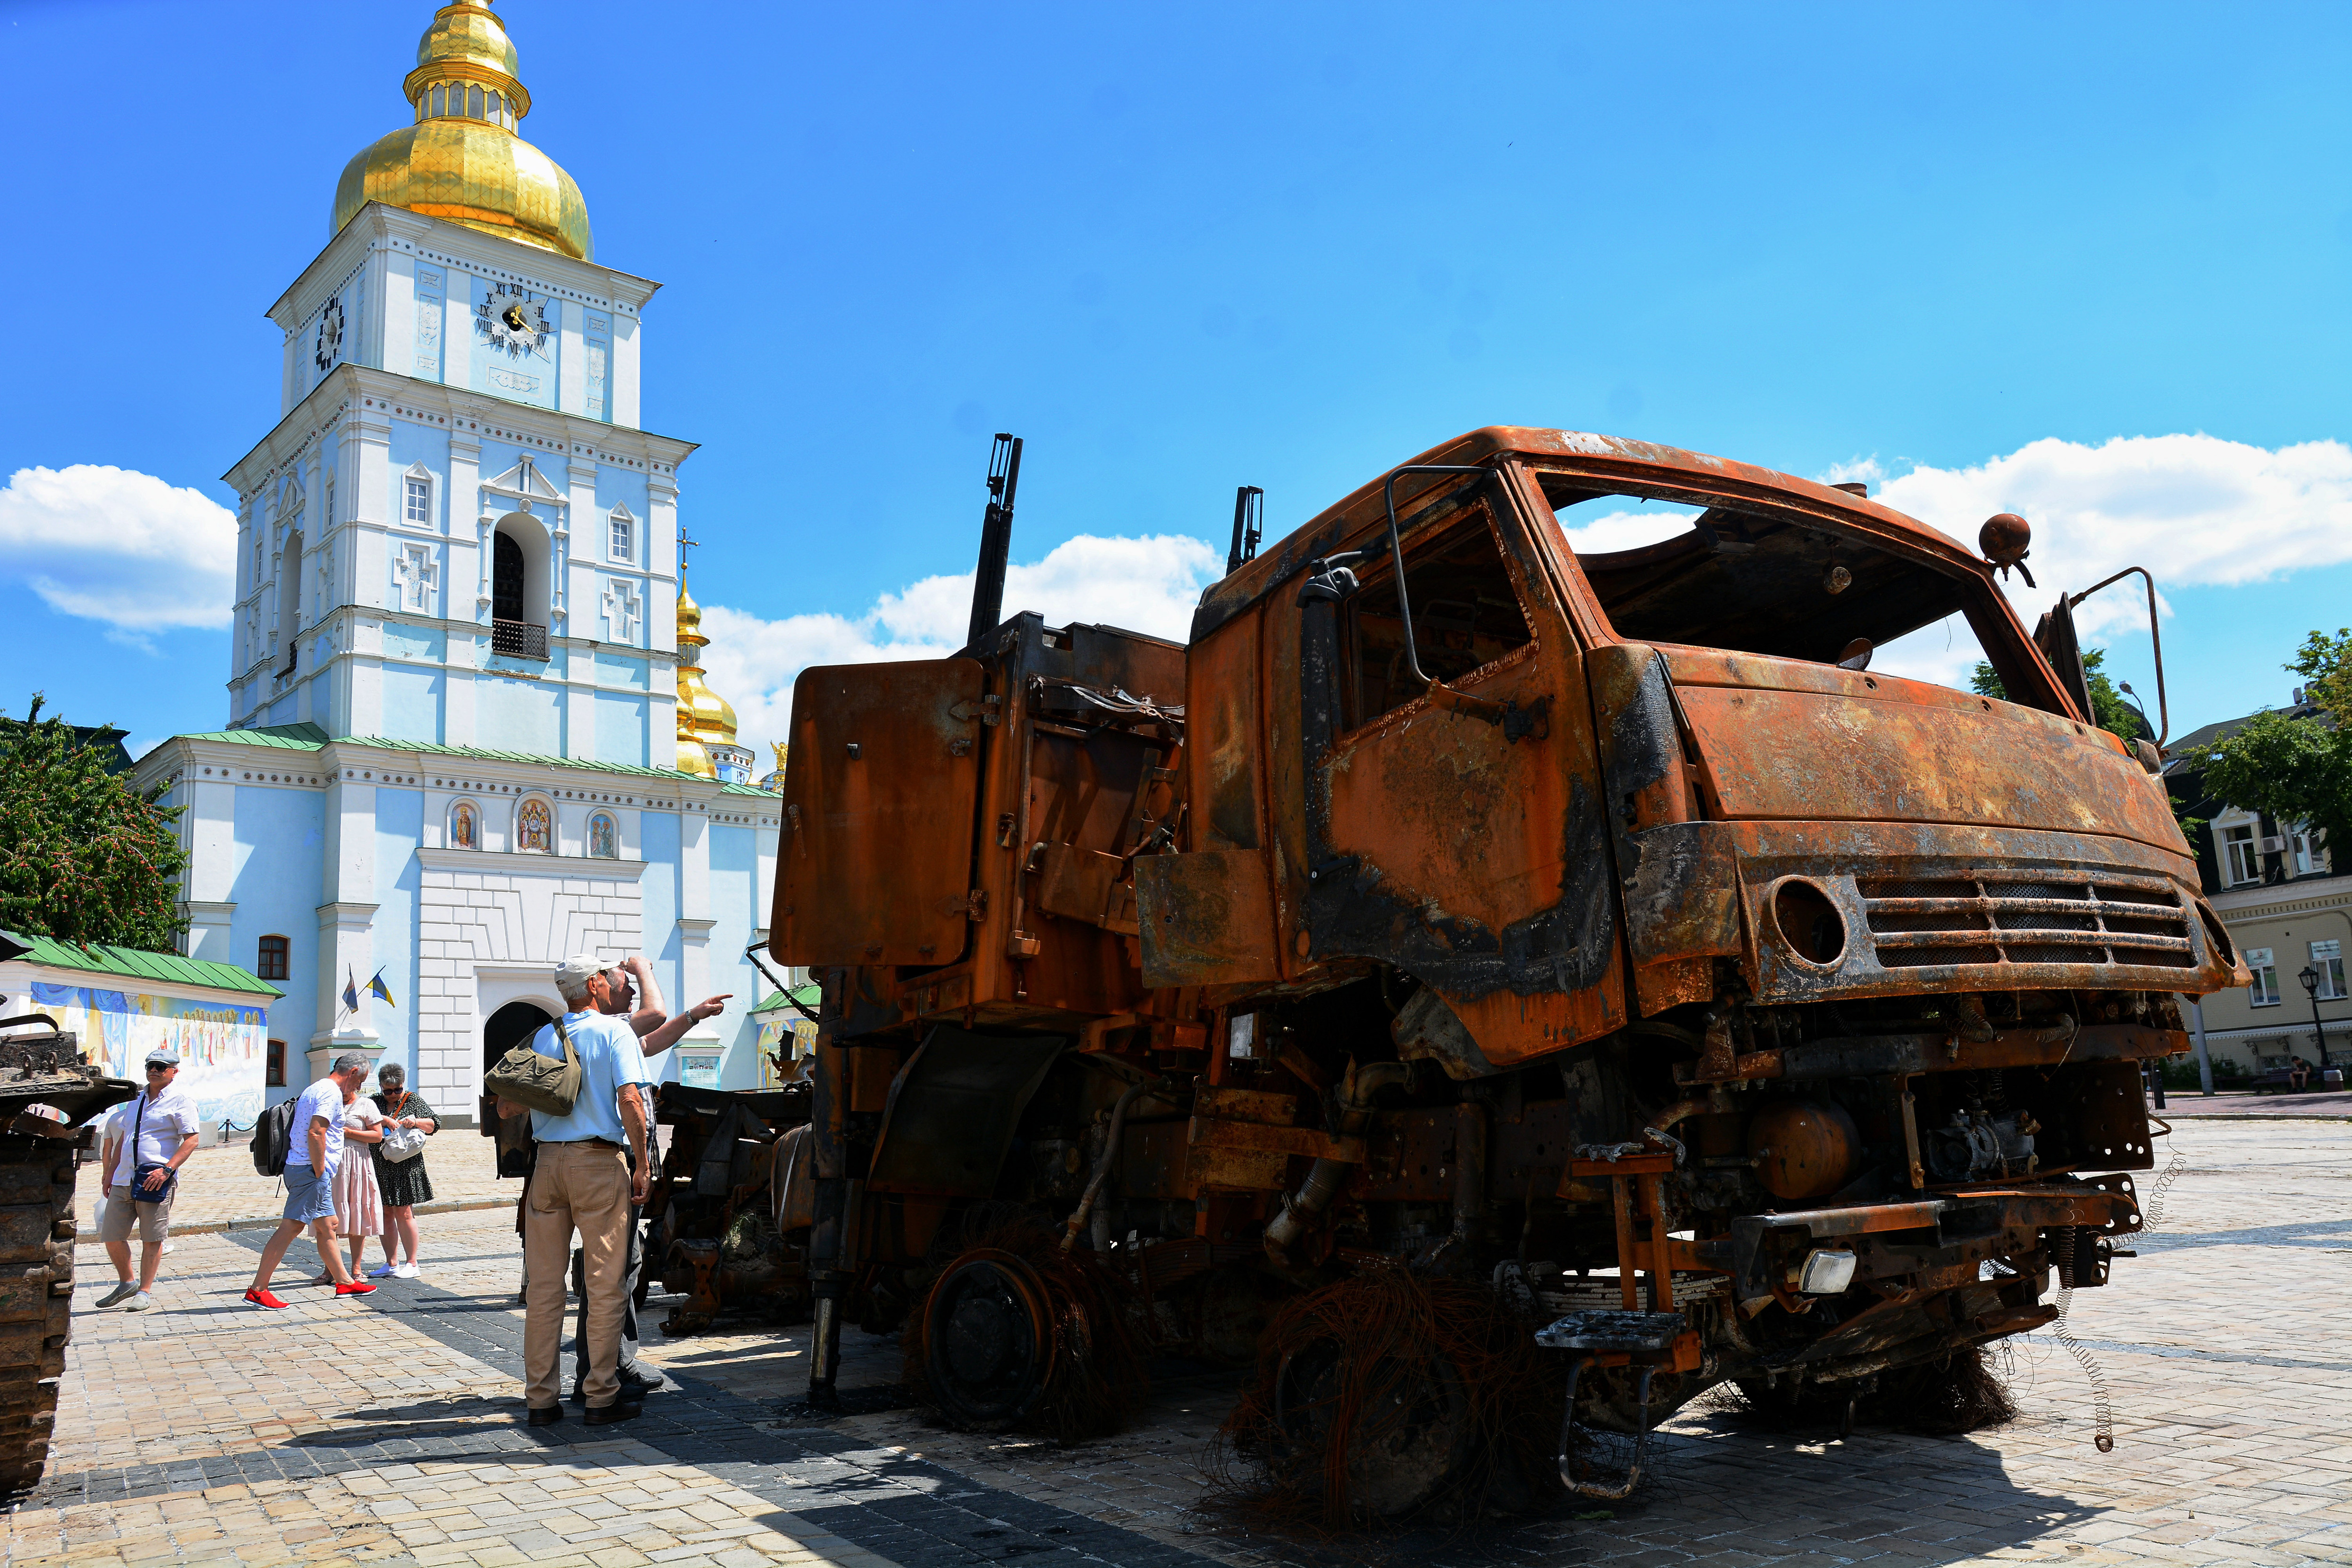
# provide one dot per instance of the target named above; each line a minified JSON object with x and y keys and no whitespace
{"x":382,"y":1271}
{"x":140,"y":1302}
{"x":406,"y":1271}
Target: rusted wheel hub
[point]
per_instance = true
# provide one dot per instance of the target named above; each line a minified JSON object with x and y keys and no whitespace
{"x":988,"y":1338}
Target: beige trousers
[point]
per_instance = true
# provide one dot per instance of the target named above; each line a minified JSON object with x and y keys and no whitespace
{"x":583,"y":1187}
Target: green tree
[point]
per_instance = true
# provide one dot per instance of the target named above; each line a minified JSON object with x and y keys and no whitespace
{"x":2325,"y":665}
{"x":83,"y":858}
{"x":2116,"y":714}
{"x":2295,"y":771}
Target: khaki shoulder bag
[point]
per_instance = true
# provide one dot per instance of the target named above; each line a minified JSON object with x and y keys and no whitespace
{"x":541,"y":1083}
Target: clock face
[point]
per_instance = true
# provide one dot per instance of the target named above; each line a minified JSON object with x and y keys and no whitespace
{"x":330,"y":334}
{"x":513,"y":321}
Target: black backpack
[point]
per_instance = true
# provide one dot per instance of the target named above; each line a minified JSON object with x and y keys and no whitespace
{"x":273,"y":1135}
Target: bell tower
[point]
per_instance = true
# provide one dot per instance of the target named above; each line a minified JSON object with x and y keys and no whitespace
{"x":458,"y":533}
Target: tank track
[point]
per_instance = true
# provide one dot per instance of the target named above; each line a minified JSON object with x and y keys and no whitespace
{"x":37,"y":1272}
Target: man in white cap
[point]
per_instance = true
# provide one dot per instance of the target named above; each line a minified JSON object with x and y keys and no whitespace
{"x":157,"y":1132}
{"x":591,"y":1171}
{"x":311,"y":1165}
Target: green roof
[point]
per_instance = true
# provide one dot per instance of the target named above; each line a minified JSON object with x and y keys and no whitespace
{"x":130,"y":963}
{"x":308,"y":737}
{"x":806,"y":995}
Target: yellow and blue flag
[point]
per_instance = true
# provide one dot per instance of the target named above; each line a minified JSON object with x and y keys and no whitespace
{"x":377,"y":987}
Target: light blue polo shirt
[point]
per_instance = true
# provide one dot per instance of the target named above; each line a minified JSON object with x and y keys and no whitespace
{"x":610,"y":1056}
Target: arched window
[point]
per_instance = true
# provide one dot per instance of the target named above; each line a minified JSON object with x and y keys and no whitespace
{"x":464,"y":826}
{"x":498,"y":107}
{"x":507,"y":578}
{"x":603,"y":839}
{"x":270,"y":963}
{"x":534,"y":827}
{"x":520,"y":570}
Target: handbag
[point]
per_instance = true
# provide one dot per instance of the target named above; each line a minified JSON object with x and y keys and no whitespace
{"x":402,"y":1142}
{"x":542,"y":1083}
{"x":139,"y":1190}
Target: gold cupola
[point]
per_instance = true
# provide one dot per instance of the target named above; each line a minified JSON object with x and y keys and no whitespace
{"x":706,"y":721}
{"x":461,"y":160}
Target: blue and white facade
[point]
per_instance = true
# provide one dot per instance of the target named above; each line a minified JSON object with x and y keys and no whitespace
{"x":452,"y":690}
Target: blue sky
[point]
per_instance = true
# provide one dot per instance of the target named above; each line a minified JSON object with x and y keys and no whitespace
{"x":1182,"y":249}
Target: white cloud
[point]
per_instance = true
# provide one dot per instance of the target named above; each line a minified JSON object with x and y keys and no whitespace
{"x":118,"y":546}
{"x":2196,"y":510}
{"x":1147,"y":585}
{"x":1616,"y":530}
{"x":1865,"y":471}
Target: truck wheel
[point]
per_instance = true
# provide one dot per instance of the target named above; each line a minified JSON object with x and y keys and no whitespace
{"x":987,"y":1341}
{"x":37,"y":1260}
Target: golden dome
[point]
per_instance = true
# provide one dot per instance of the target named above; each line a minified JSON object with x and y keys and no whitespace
{"x":704,"y":718}
{"x":461,"y":160}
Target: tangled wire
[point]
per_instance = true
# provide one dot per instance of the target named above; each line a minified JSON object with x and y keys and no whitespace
{"x":1387,"y":1395}
{"x":1096,"y":1379}
{"x":1960,"y":1390}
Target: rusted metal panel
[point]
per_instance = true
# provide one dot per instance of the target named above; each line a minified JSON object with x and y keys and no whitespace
{"x":1085,"y":885}
{"x":880,"y":761}
{"x":1681,"y":895}
{"x":1256,"y":1105}
{"x":953,"y":1111}
{"x":1206,"y":918}
{"x":1879,"y":756}
{"x":1312,"y":1142}
{"x":1227,"y":751}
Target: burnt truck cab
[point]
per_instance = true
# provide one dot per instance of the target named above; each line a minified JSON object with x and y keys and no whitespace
{"x":1598,"y":921}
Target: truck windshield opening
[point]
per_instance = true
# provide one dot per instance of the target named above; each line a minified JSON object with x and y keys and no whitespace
{"x":1747,"y":580}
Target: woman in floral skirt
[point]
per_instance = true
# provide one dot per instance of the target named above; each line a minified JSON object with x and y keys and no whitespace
{"x":402,"y":1183}
{"x":359,"y":1207}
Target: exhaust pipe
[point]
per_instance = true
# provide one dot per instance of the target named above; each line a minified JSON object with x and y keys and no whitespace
{"x":995,"y":540}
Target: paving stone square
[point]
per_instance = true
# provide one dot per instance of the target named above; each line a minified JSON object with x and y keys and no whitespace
{"x":388,"y":1429}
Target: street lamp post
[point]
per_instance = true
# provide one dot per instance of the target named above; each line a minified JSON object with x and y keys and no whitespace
{"x":2310,"y":978}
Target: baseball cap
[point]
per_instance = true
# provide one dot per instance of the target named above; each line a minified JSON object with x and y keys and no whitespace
{"x":160,"y":1057}
{"x":575,"y":970}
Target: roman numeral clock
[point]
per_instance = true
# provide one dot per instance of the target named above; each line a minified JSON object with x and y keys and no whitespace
{"x":514,"y":320}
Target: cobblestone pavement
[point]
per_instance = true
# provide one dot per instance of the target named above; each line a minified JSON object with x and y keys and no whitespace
{"x":387,"y":1429}
{"x":2311,"y":1103}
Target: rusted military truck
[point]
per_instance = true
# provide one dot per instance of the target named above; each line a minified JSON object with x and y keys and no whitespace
{"x":1598,"y":925}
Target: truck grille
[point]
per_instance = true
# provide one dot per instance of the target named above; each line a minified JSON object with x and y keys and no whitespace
{"x":2030,"y":918}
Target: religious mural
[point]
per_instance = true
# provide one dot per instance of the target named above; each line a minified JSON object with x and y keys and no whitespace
{"x":601,"y":840}
{"x":222,"y":1047}
{"x":534,"y":832}
{"x":465,"y":831}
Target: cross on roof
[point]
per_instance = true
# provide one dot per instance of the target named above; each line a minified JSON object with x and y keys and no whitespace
{"x":684,"y":545}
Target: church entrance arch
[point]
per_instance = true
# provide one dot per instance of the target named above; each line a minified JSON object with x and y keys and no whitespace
{"x":510,"y":1026}
{"x":502,"y":1031}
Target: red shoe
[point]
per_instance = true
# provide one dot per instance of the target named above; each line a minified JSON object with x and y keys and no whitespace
{"x":265,"y":1298}
{"x":353,"y":1288}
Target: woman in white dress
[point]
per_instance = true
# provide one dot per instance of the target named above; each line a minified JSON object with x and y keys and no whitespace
{"x":359,"y":1202}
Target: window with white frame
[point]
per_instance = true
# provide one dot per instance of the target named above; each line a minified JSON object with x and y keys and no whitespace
{"x":625,"y":534}
{"x":2303,"y":849}
{"x":418,"y":509}
{"x":2327,"y":957}
{"x":2263,"y":991}
{"x":2241,"y":858}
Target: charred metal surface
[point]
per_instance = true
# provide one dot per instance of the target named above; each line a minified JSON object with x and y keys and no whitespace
{"x":1682,"y":900}
{"x":1206,"y":918}
{"x":1427,"y":1029}
{"x":953,"y":1111}
{"x":1564,"y":947}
